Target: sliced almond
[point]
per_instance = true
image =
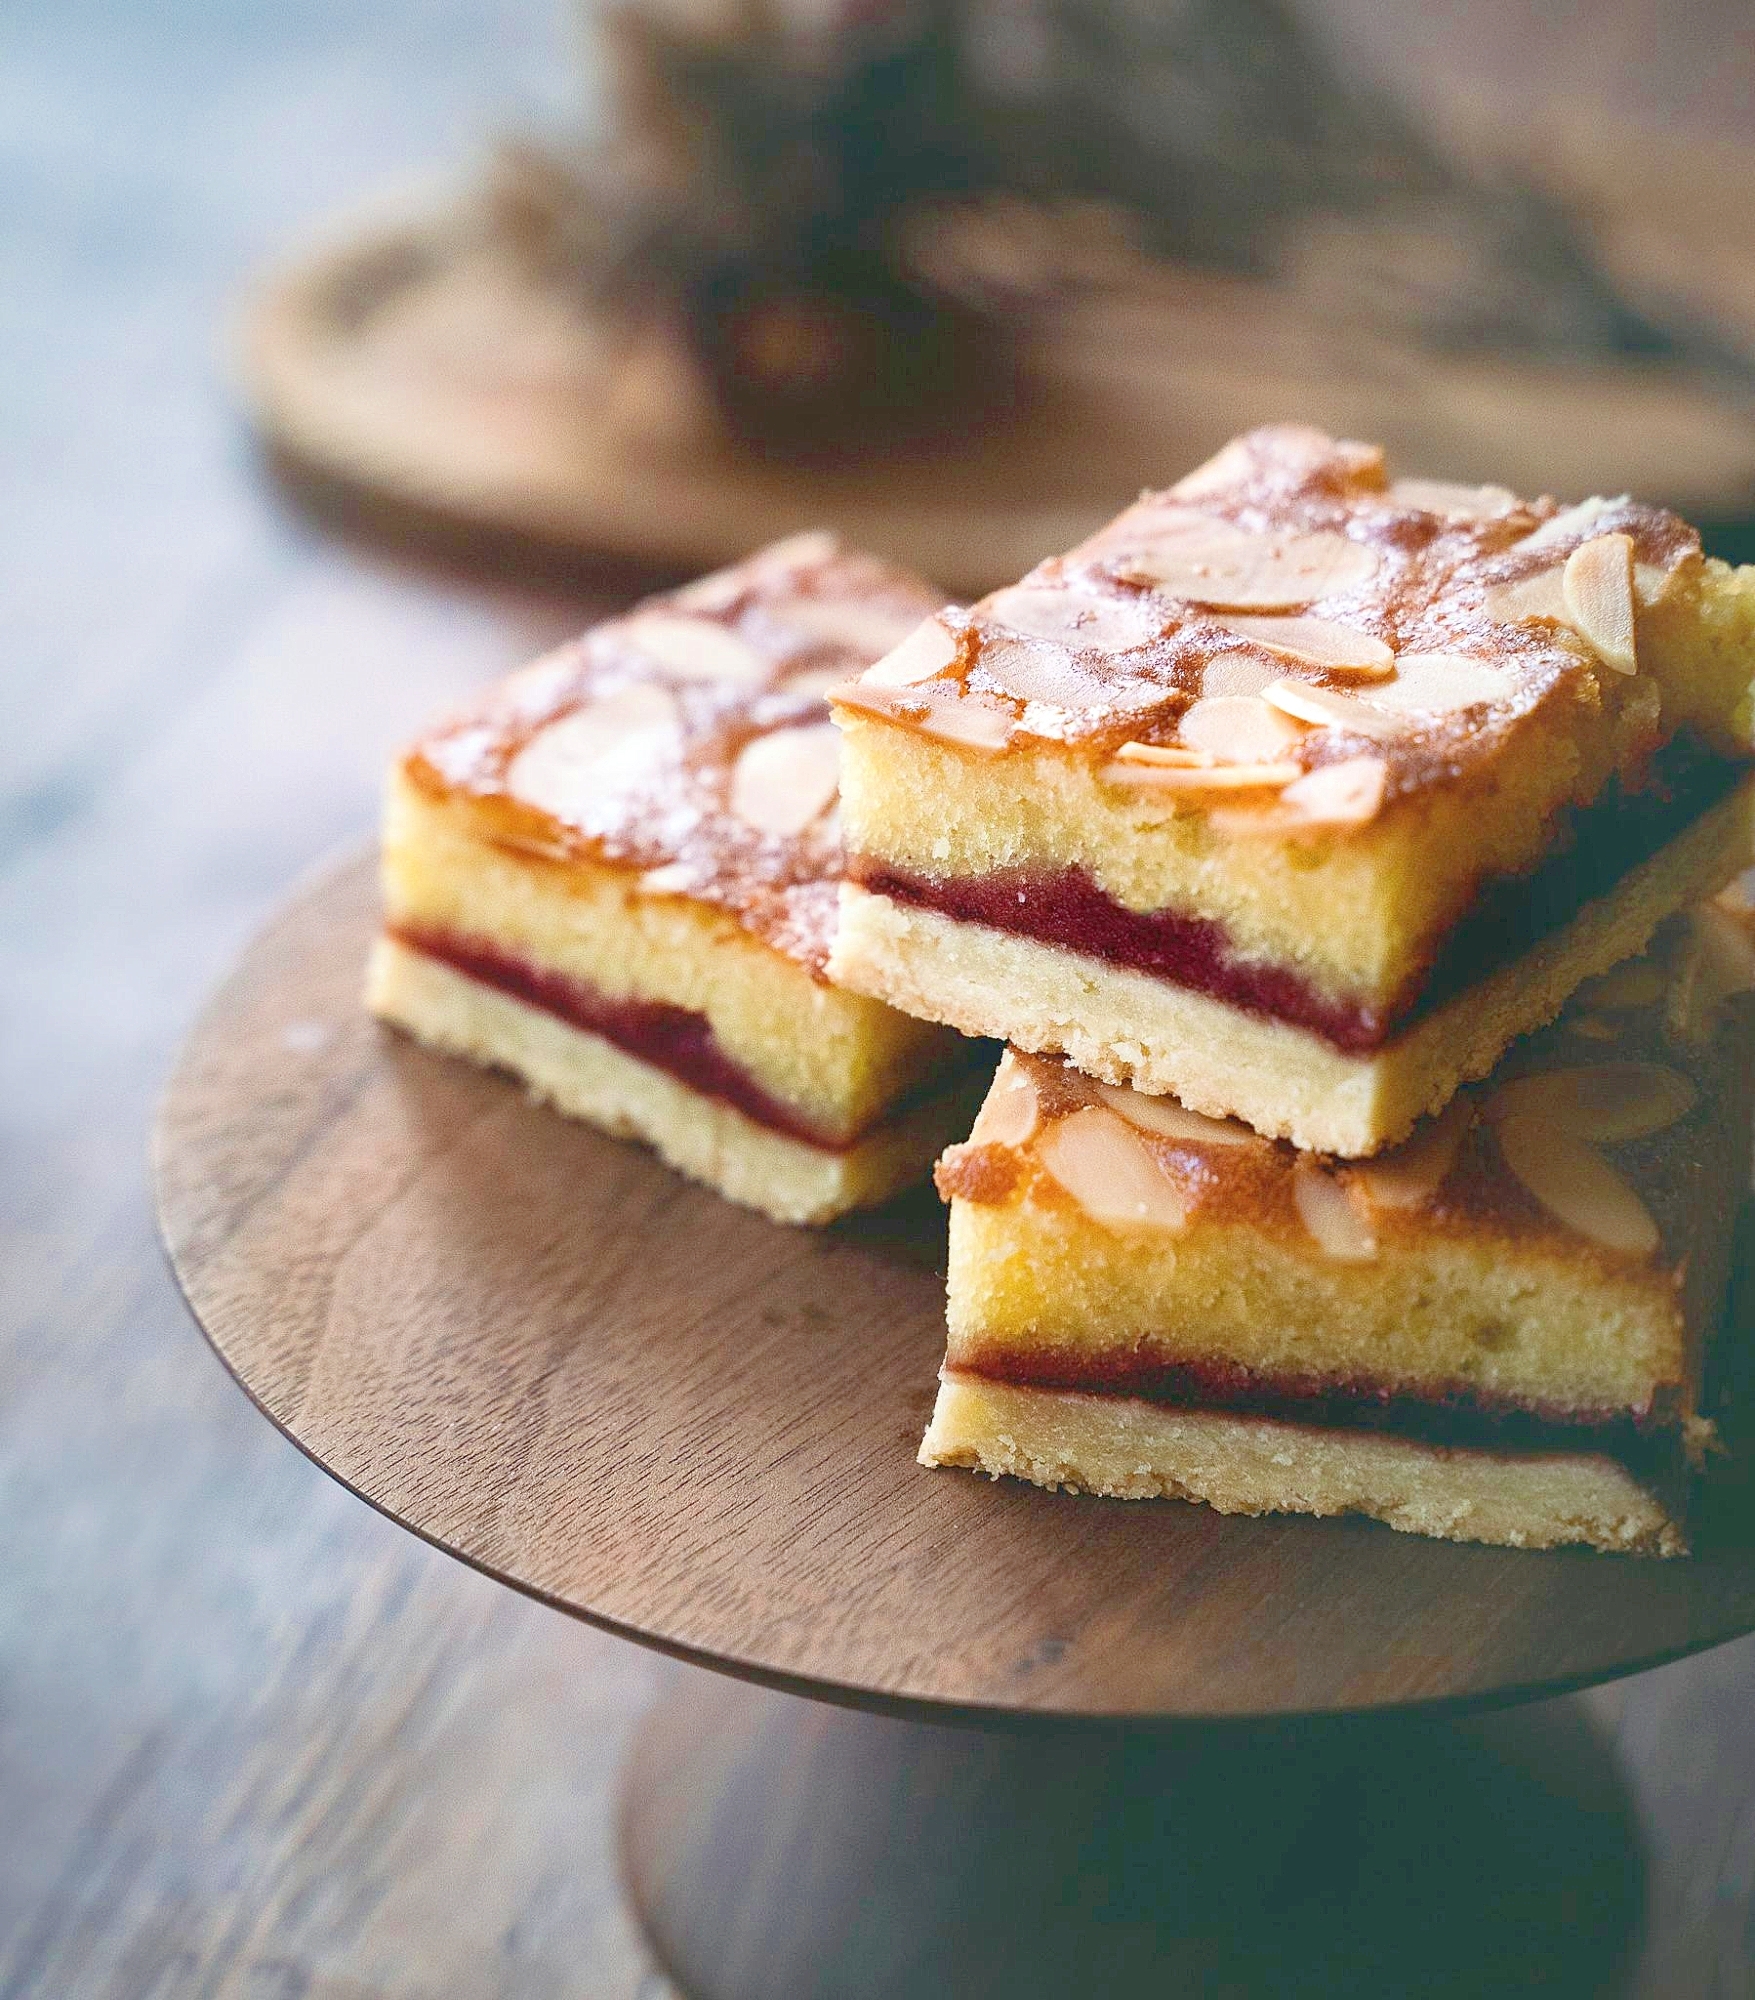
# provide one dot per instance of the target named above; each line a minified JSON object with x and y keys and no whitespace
{"x":1637,"y":983}
{"x":1598,"y":588}
{"x":1577,"y":1186}
{"x":1065,"y":679}
{"x":1201,"y":778}
{"x":1593,"y":1027}
{"x":1604,"y":1103}
{"x":695,"y":649}
{"x":1239,"y":729}
{"x":560,"y":770}
{"x":784,"y":780}
{"x":1167,"y":1119}
{"x":1208,"y":561}
{"x":1078,"y":618}
{"x":1327,"y":1211}
{"x":810,"y":548}
{"x":1228,"y":467}
{"x":1167,"y":756}
{"x":716,"y":592}
{"x":1010,"y":1112}
{"x":1109,"y":1171}
{"x":1572,"y":522}
{"x":1345,"y":794}
{"x":1326,"y":709}
{"x":926,"y":652}
{"x":1717,"y":962}
{"x":671,"y":878}
{"x":1455,"y":502}
{"x":1440,"y":683}
{"x":857,"y":626}
{"x":1319,"y":642}
{"x":1237,"y":673}
{"x":813,"y":683}
{"x":1541,"y":596}
{"x":1410,"y":1174}
{"x":968,"y":719}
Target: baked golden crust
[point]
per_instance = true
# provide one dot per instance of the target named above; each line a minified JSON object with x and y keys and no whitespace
{"x":688,"y":742}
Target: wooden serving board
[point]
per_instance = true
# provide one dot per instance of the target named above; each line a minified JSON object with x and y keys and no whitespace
{"x":539,"y":1349}
{"x":409,"y":365}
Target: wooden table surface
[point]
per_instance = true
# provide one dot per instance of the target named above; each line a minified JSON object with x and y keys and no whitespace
{"x":254,"y":1741}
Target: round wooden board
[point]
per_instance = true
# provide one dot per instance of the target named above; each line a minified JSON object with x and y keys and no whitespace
{"x":409,"y":365}
{"x":539,"y":1349}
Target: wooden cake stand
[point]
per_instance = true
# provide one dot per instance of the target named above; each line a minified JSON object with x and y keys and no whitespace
{"x":1218,"y":1755}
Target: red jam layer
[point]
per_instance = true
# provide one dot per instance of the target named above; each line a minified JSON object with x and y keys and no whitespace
{"x":1460,"y":1417}
{"x":1601,"y":844}
{"x":673,"y":1039}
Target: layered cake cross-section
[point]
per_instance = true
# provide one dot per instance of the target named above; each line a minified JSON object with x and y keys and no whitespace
{"x":1299,"y":791}
{"x":1496,"y":1332}
{"x":615,"y":876}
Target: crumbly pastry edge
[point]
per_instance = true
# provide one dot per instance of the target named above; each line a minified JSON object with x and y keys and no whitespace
{"x":1125,"y":1448}
{"x":588,"y":1078}
{"x":1126,"y":1027}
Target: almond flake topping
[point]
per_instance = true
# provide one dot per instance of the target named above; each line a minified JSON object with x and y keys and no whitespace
{"x":1167,"y":1119}
{"x":1239,"y":729}
{"x":1326,"y":709}
{"x":695,"y":649}
{"x":1326,"y":1208}
{"x":1077,"y":618}
{"x":1208,"y":561}
{"x":1063,"y":678}
{"x":1604,"y":1103}
{"x":1009,"y":1113}
{"x":868,"y":630}
{"x":1412,"y":1173}
{"x":1571,"y":521}
{"x":1237,"y":673}
{"x":1195,"y":778}
{"x":1719,"y":962}
{"x":1169,"y":756}
{"x":1598,"y":588}
{"x":813,"y":683}
{"x":1110,"y":1172}
{"x":1530,"y":597}
{"x":557,"y":771}
{"x":924,"y":654}
{"x":1576,"y":1185}
{"x":1455,"y":502}
{"x":1318,"y":642}
{"x":786,"y":779}
{"x":1345,"y":794}
{"x":968,"y":719}
{"x":1440,"y":683}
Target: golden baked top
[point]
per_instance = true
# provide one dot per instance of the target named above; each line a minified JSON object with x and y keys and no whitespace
{"x":689,"y":740}
{"x":1608,"y":1136}
{"x":1291,"y":636}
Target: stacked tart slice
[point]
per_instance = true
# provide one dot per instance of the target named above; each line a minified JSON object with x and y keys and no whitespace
{"x":1272,"y":827}
{"x":1299,"y":792}
{"x":615,"y":876}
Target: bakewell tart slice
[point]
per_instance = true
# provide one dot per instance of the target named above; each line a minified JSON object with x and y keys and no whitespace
{"x":1299,"y":791}
{"x":615,"y":876}
{"x":1495,"y":1332}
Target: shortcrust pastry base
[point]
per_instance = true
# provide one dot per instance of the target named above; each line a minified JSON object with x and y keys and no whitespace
{"x":589,"y":1078}
{"x":1134,"y":1450}
{"x":1128,"y":1028}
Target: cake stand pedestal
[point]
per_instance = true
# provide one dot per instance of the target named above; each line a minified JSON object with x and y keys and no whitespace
{"x":1054,"y":1744}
